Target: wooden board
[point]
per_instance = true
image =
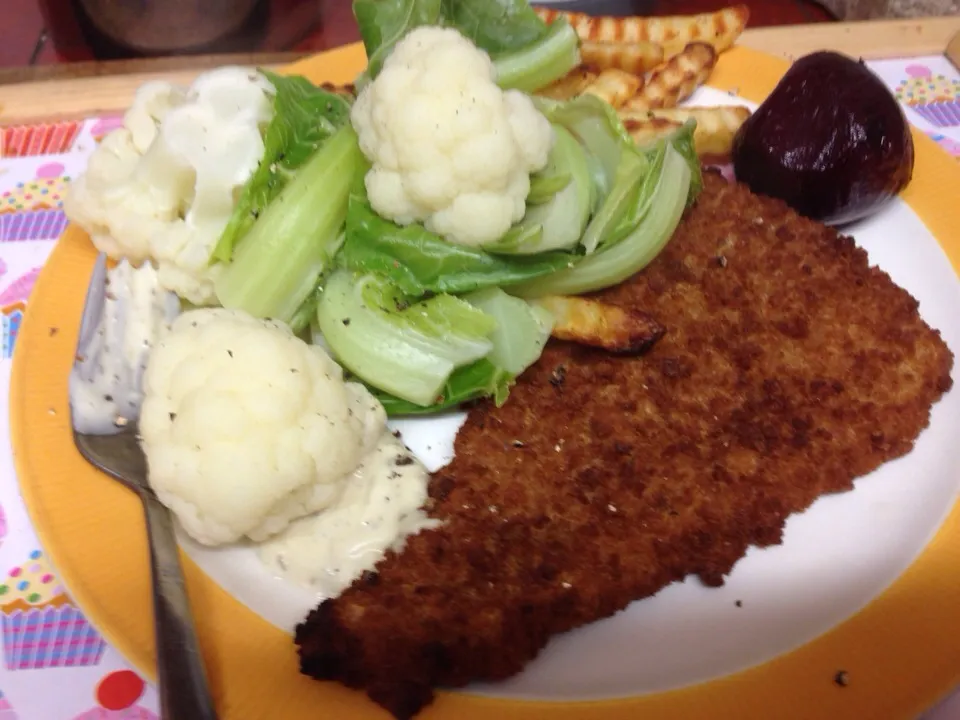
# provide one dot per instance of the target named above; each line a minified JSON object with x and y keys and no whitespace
{"x":953,"y":50}
{"x":871,"y":40}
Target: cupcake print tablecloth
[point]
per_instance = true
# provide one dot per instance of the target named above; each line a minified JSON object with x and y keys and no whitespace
{"x":54,"y":664}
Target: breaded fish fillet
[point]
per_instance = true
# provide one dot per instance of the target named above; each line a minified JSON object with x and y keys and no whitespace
{"x":789,"y":367}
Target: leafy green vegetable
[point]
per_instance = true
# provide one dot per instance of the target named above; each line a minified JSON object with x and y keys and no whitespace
{"x":633,"y":169}
{"x":383,"y":23}
{"x":474,"y":381}
{"x":304,"y":116}
{"x":528,"y":54}
{"x":541,"y":63}
{"x":613,"y":264}
{"x":497,"y":26}
{"x":596,"y":125}
{"x":543,"y":186}
{"x":557,"y":224}
{"x":307,"y":311}
{"x":521,"y":329}
{"x":418,"y":261}
{"x":296,"y":237}
{"x":682,"y":141}
{"x":406,"y":348}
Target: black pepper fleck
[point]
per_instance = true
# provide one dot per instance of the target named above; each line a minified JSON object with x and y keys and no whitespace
{"x":558,"y":375}
{"x":841,"y":678}
{"x":403,"y":460}
{"x":54,"y":331}
{"x":739,"y":603}
{"x":173,"y":416}
{"x":345,"y":321}
{"x":230,"y":353}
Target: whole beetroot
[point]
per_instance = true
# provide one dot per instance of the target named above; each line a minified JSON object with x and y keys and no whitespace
{"x":830,"y":140}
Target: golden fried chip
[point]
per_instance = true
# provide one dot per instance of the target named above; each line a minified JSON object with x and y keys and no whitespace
{"x":646,"y":129}
{"x":716,"y":127}
{"x":676,"y":79}
{"x":614,"y":86}
{"x":570,"y":85}
{"x":634,"y":58}
{"x":719,"y":29}
{"x":594,"y":323}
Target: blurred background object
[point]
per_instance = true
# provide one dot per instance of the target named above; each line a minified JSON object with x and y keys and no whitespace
{"x":44,"y":32}
{"x":113,"y":29}
{"x":875,"y":9}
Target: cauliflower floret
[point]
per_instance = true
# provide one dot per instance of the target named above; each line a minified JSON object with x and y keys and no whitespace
{"x":447,"y":146}
{"x":246,"y":428}
{"x":163,"y":186}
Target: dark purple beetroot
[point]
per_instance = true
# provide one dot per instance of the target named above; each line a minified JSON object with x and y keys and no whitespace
{"x":831,"y":141}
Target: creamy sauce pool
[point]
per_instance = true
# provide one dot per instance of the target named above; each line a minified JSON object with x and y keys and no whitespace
{"x":380,"y":506}
{"x":106,"y":384}
{"x":376,"y":507}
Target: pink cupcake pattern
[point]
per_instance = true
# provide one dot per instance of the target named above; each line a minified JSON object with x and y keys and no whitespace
{"x":19,"y":290}
{"x":935,"y":97}
{"x":103,"y":126}
{"x":33,"y":210}
{"x":40,"y":626}
{"x":13,"y":302}
{"x":35,"y":140}
{"x":6,"y":709}
{"x":11,"y":318}
{"x":117,"y":694}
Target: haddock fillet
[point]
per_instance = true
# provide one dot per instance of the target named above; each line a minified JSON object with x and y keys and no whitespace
{"x":789,"y":367}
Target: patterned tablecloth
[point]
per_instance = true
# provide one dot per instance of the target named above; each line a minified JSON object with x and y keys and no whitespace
{"x":55,"y":665}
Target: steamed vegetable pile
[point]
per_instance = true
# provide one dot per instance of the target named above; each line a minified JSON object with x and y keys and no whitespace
{"x":404,"y":228}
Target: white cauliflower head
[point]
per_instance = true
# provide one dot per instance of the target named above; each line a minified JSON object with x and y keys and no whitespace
{"x":246,"y":428}
{"x":163,"y":186}
{"x":447,"y":146}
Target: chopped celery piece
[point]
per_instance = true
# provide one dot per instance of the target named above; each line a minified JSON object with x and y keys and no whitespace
{"x":537,"y":65}
{"x":522,"y":329}
{"x":477,"y":380}
{"x":419,"y":261}
{"x":405,"y":349}
{"x":621,"y":199}
{"x":595,"y":124}
{"x":304,"y":117}
{"x":557,"y":224}
{"x":517,"y":240}
{"x":296,"y":236}
{"x":614,"y":264}
{"x":306,"y":312}
{"x":544,"y":186}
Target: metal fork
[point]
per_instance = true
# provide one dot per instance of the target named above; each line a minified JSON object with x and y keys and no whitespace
{"x":183,"y":690}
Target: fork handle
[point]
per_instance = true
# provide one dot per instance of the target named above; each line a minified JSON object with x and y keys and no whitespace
{"x":184,"y":694}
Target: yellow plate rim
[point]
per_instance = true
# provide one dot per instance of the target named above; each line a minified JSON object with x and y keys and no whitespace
{"x":900,"y":653}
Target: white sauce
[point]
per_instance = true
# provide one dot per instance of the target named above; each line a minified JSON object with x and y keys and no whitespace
{"x":106,"y":384}
{"x":379,"y":508}
{"x":368,"y":511}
